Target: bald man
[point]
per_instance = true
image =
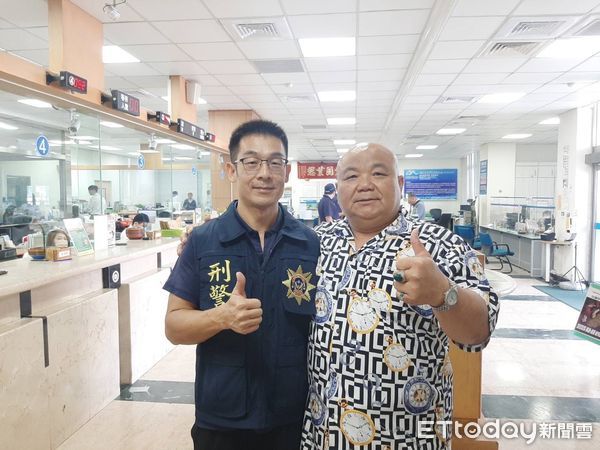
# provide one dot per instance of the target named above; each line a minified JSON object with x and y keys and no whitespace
{"x":392,"y":293}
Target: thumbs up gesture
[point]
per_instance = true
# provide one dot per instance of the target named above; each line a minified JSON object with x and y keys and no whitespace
{"x":241,"y":314}
{"x":418,"y":278}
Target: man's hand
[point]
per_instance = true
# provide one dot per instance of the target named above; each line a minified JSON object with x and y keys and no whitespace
{"x":184,"y":238}
{"x":241,"y":314}
{"x":424,"y":283}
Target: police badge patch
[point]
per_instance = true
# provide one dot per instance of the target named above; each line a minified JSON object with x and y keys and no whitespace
{"x":298,"y":284}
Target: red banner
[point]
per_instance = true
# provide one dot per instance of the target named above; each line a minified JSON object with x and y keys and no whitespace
{"x":317,"y":170}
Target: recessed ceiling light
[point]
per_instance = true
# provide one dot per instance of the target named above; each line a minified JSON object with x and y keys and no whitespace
{"x":133,"y":153}
{"x":450,"y":131}
{"x":204,"y":153}
{"x":35,"y":103}
{"x":165,"y":141}
{"x":517,"y":136}
{"x":341,"y":120}
{"x":80,"y":143}
{"x":343,"y":150}
{"x":501,"y":97}
{"x":344,"y":142}
{"x":85,"y":138}
{"x":362,"y":144}
{"x":183,"y":158}
{"x":201,"y":101}
{"x":426,"y":147}
{"x":110,"y":147}
{"x":413,"y":155}
{"x":337,"y":96}
{"x":149,"y":151}
{"x":322,"y":47}
{"x":112,"y":54}
{"x":183,"y":147}
{"x":165,"y":98}
{"x":551,"y":121}
{"x":576,"y":47}
{"x":6,"y":126}
{"x":111,"y":124}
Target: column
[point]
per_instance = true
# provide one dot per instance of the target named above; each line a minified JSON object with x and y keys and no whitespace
{"x":501,"y":158}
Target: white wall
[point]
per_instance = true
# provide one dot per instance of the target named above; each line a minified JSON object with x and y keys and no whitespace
{"x":42,"y":173}
{"x":536,"y":153}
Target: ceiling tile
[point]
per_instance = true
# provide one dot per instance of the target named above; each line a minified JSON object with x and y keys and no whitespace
{"x":475,"y":28}
{"x":149,"y":82}
{"x":203,"y":79}
{"x":5,"y":24}
{"x":348,"y":76}
{"x":26,"y":13}
{"x":332,"y":86}
{"x":226,"y":67}
{"x":281,"y":78}
{"x":323,"y":25}
{"x":385,"y":45}
{"x":549,"y":65}
{"x":392,"y":22}
{"x":471,"y":79}
{"x":257,"y":99}
{"x":241,"y":79}
{"x":17,"y":39}
{"x":212,"y":51}
{"x":96,"y":9}
{"x":427,"y":90}
{"x":294,"y":7}
{"x":455,"y":49}
{"x":37,"y":56}
{"x":440,"y":79}
{"x":540,"y":7}
{"x":270,"y":49}
{"x":127,"y":69}
{"x":521,"y":77}
{"x":170,"y":9}
{"x":133,"y":33}
{"x":251,"y":89}
{"x":215,"y":90}
{"x":157,"y":52}
{"x":487,"y":65}
{"x":484,"y":7}
{"x":193,"y":31}
{"x":41,"y":32}
{"x":426,"y":99}
{"x":373,"y":62}
{"x":214,"y":99}
{"x":444,"y":65}
{"x":378,"y":85}
{"x":177,"y":68}
{"x":380,"y":75}
{"x":118,"y":83}
{"x":244,"y":8}
{"x":385,"y":5}
{"x":330,"y":64}
{"x":294,"y":89}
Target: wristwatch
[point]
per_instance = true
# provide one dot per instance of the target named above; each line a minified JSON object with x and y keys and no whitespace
{"x":450,"y":298}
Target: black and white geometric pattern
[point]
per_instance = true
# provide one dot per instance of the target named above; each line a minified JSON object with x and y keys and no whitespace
{"x":378,"y":366}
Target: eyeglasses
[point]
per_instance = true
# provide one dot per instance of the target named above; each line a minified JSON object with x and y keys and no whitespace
{"x":252,"y":164}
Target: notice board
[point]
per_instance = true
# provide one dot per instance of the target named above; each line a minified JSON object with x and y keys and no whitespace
{"x":432,"y":184}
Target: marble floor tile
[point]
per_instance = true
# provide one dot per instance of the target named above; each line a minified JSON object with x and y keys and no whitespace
{"x":178,"y":365}
{"x":136,"y":426}
{"x":536,"y":315}
{"x":541,"y":408}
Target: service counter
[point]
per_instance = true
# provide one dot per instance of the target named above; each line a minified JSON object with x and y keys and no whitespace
{"x":72,"y":331}
{"x":527,"y":248}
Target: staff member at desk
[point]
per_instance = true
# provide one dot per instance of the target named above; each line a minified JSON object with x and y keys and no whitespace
{"x":417,"y":207}
{"x":97,"y":203}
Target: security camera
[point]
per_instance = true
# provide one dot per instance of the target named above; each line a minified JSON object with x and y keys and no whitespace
{"x":152,"y":144}
{"x":74,"y":123}
{"x":110,"y":9}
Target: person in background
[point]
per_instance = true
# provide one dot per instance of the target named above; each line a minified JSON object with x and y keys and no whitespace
{"x":139,"y":220}
{"x":329,"y":208}
{"x":417,"y":207}
{"x":189,"y":204}
{"x":243,"y":291}
{"x":175,"y":203}
{"x":97,"y":204}
{"x":391,"y":295}
{"x":57,"y":238}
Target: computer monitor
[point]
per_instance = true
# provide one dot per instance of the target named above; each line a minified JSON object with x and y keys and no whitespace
{"x":465,"y":207}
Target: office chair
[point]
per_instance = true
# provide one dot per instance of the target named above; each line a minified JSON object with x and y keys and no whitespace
{"x":435,"y":213}
{"x":491,"y":249}
{"x":444,"y":220}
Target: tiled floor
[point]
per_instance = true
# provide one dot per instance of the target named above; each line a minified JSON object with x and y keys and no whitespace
{"x":536,"y":372}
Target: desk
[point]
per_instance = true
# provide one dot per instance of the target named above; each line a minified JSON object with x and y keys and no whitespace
{"x":501,"y":283}
{"x":549,"y":254}
{"x":526,"y":248}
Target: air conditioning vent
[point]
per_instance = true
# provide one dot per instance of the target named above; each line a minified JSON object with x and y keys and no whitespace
{"x":314,"y":127}
{"x":460,"y":99}
{"x":278,"y":65}
{"x":258,"y":29}
{"x":535,"y":27}
{"x":538,"y":28}
{"x":591,"y":29}
{"x":510,"y":49}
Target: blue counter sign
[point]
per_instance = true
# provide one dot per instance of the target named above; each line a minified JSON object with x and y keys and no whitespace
{"x":42,"y":146}
{"x":194,"y":171}
{"x":141,"y":161}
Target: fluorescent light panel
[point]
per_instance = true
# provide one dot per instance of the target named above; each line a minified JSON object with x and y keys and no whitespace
{"x":112,"y":54}
{"x":551,"y":121}
{"x":501,"y":97}
{"x":575,"y":47}
{"x":204,"y":153}
{"x":149,"y":151}
{"x":413,"y":155}
{"x":183,"y":158}
{"x":323,"y":47}
{"x":343,"y":150}
{"x":517,"y":136}
{"x":5,"y":126}
{"x":111,"y":124}
{"x":450,"y":131}
{"x":35,"y":103}
{"x":426,"y":147}
{"x":183,"y":147}
{"x":110,"y":147}
{"x":337,"y":96}
{"x":341,"y":120}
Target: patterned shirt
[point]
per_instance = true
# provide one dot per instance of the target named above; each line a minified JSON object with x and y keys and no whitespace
{"x":378,"y":366}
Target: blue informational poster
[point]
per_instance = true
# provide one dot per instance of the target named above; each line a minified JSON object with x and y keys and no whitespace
{"x":483,"y":172}
{"x":432,"y":184}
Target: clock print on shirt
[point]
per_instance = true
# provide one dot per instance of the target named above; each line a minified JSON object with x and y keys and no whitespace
{"x":358,"y":427}
{"x":318,"y":410}
{"x":362,"y":317}
{"x":380,"y":300}
{"x":418,"y":395}
{"x":396,"y":357}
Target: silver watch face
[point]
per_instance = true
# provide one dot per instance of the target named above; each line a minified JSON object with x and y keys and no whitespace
{"x":451,"y":296}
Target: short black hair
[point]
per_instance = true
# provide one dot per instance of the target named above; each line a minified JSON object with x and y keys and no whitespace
{"x":264,"y":127}
{"x":141,"y":218}
{"x":93,"y":187}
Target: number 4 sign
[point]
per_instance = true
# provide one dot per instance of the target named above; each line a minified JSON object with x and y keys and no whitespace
{"x":42,"y":146}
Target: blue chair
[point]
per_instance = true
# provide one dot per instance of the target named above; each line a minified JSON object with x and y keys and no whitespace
{"x":467,"y":232}
{"x":435,"y":214}
{"x":491,"y":249}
